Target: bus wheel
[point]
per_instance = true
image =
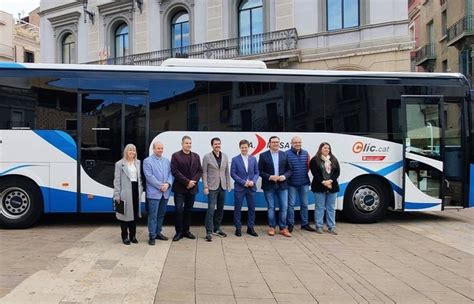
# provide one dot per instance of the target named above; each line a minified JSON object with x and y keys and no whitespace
{"x":21,"y":203}
{"x":365,"y":200}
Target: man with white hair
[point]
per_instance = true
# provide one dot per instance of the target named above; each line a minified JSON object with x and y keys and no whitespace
{"x":158,"y":187}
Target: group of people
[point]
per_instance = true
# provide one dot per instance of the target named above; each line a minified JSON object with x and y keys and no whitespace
{"x":284,"y":180}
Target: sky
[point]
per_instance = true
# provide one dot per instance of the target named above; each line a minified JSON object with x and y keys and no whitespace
{"x":18,"y":6}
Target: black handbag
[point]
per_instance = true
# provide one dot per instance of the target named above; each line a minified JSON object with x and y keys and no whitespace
{"x":119,"y":207}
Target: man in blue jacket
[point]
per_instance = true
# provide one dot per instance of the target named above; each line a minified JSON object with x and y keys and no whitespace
{"x":244,"y":171}
{"x":275,"y":169}
{"x":298,"y":184}
{"x":158,"y":187}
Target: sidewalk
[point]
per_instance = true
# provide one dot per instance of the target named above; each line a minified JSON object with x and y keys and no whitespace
{"x":410,"y":258}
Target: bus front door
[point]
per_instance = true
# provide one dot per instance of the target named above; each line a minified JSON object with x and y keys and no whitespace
{"x":109,"y":121}
{"x":423,"y":133}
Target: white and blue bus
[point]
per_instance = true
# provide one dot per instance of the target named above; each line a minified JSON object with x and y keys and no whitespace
{"x":404,"y":140}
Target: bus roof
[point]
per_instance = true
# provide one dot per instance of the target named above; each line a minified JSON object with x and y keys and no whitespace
{"x":224,"y":69}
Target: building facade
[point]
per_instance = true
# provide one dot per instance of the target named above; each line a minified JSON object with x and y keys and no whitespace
{"x":444,"y":35}
{"x":20,"y":40}
{"x":308,"y":34}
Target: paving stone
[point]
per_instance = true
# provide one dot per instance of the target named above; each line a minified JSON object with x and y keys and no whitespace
{"x":408,"y":258}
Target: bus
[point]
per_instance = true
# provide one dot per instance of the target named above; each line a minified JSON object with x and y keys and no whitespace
{"x":404,"y":140}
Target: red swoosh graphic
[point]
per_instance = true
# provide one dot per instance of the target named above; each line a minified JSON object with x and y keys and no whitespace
{"x":260,"y":145}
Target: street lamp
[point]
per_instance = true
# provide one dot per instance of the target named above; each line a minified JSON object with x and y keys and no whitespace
{"x":91,"y":14}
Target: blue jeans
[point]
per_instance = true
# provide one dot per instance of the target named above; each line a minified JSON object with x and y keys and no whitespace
{"x":156,"y":214}
{"x":325,"y":203}
{"x":302,"y":193}
{"x":213,"y":215}
{"x":273,"y":196}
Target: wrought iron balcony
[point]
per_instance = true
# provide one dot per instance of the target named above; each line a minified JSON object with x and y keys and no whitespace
{"x":254,"y":45}
{"x":459,"y":30}
{"x":425,"y":53}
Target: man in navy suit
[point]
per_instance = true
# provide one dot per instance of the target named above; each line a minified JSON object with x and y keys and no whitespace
{"x":275,"y":169}
{"x":244,"y":171}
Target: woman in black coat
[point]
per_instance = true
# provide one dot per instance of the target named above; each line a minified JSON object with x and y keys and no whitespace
{"x":325,"y":169}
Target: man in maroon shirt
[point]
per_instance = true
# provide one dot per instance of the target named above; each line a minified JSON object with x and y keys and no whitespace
{"x":186,"y":169}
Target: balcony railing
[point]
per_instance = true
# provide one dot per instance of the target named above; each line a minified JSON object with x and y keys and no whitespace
{"x":425,"y":53}
{"x":460,"y":29}
{"x":265,"y":43}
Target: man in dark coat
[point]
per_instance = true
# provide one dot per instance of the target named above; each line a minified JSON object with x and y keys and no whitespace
{"x":275,"y":169}
{"x":186,"y":169}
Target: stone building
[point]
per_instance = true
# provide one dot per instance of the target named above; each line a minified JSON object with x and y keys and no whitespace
{"x":308,"y":34}
{"x":20,"y":39}
{"x":444,"y":34}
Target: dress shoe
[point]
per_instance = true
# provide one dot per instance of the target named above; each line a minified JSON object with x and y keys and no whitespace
{"x":161,"y":237}
{"x":178,"y":236}
{"x":285,"y":232}
{"x":126,"y":241}
{"x":271,"y":231}
{"x":308,"y":228}
{"x":189,"y":235}
{"x":134,"y":240}
{"x":238,"y":232}
{"x":251,"y":231}
{"x":290,"y":228}
{"x":208,"y":237}
{"x":220,"y":233}
{"x":151,"y":242}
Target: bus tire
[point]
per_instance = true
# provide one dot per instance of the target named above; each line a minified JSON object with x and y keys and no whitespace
{"x":366,"y":200}
{"x":21,"y":203}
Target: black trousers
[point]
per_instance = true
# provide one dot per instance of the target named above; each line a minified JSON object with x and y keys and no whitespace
{"x":131,"y":226}
{"x":184,"y":203}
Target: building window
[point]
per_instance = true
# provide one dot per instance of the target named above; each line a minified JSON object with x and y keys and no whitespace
{"x":430,"y":32}
{"x":445,"y":66}
{"x":465,"y":62}
{"x":250,"y":26}
{"x":68,"y":49}
{"x":342,"y":14}
{"x":121,"y":40}
{"x":29,"y":56}
{"x":444,"y":23}
{"x":180,"y":38}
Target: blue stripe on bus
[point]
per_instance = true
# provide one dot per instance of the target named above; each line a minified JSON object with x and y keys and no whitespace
{"x":60,"y":201}
{"x":384,"y":172}
{"x":471,"y":187}
{"x":15,"y":168}
{"x":97,"y":204}
{"x":60,"y":140}
{"x":417,"y":206}
{"x":11,"y":65}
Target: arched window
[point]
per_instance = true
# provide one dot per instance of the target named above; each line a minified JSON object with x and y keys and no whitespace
{"x":68,"y":49}
{"x":250,"y":26}
{"x":121,"y":40}
{"x":180,"y":32}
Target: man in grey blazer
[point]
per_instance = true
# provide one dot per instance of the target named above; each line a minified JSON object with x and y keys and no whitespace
{"x":216,"y":180}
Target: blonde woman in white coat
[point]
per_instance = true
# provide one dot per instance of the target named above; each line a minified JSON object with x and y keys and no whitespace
{"x":128,"y":190}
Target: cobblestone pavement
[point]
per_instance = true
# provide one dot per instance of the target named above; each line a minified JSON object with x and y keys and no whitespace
{"x":408,"y":258}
